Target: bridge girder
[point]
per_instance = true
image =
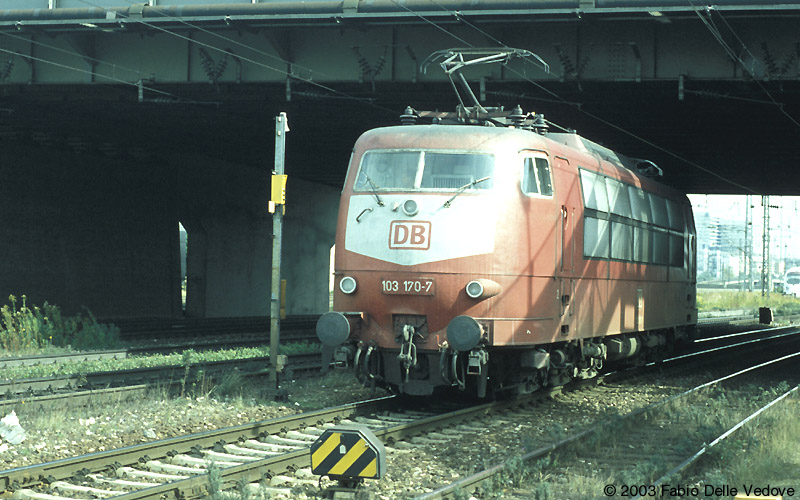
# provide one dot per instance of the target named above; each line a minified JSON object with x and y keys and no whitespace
{"x":681,"y":77}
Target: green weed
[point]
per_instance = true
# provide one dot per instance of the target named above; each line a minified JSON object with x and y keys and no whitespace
{"x":782,"y":305}
{"x":26,"y":330}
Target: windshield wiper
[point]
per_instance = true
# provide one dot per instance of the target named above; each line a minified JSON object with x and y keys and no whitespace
{"x":374,"y":190}
{"x":462,"y":188}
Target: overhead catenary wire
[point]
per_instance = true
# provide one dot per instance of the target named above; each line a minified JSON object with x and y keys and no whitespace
{"x":580,"y":109}
{"x":715,"y":32}
{"x":247,"y":59}
{"x":235,"y":42}
{"x":111,"y":78}
{"x":65,"y":51}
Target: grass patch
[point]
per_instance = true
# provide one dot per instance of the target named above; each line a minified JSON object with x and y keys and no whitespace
{"x":708,"y":300}
{"x":764,"y":452}
{"x":28,"y":330}
{"x":581,"y":470}
{"x":185,"y":359}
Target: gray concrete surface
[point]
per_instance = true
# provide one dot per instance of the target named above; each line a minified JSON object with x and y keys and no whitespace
{"x":79,"y":230}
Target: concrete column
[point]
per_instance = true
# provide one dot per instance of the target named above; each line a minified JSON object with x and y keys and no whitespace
{"x":237,"y":262}
{"x":309,"y":233}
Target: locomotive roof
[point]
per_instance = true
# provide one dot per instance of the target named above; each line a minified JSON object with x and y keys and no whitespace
{"x":483,"y":138}
{"x":481,"y":133}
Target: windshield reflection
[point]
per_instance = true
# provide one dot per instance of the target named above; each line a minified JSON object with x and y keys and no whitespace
{"x":406,"y":170}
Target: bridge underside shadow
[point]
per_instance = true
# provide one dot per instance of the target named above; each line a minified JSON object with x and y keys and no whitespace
{"x":95,"y":183}
{"x":85,"y":231}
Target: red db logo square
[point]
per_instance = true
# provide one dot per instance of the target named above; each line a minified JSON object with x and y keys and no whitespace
{"x":411,"y":235}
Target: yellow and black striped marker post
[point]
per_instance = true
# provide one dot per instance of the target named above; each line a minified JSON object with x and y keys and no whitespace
{"x":351,"y":452}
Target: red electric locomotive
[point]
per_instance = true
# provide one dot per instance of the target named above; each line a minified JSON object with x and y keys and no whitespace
{"x":505,"y":257}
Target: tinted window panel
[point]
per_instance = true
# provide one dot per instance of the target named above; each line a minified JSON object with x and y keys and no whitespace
{"x":618,"y":198}
{"x":594,"y":191}
{"x":640,"y":204}
{"x":676,"y":250}
{"x":595,"y":237}
{"x":536,"y":177}
{"x":675,"y":211}
{"x":642,"y":242}
{"x":543,"y":173}
{"x":660,"y":248}
{"x":658,"y":206}
{"x":529,"y":184}
{"x":621,"y":241}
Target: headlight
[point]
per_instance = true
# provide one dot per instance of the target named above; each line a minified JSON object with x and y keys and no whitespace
{"x":347,"y":285}
{"x":482,"y":289}
{"x":410,"y":208}
{"x":474,"y":289}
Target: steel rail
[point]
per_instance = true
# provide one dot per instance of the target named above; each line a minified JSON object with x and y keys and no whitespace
{"x":53,"y":402}
{"x":61,"y":469}
{"x":82,"y":397}
{"x":739,"y":334}
{"x":689,"y":461}
{"x":470,"y":482}
{"x":113,"y":354}
{"x":196,"y":486}
{"x":147,"y":374}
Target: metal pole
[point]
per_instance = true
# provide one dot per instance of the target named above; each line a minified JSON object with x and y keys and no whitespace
{"x":750,"y":239}
{"x":277,"y":225}
{"x":745,"y":246}
{"x":765,"y":274}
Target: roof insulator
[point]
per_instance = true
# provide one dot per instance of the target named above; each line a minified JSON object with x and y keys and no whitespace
{"x":409,"y":117}
{"x":517,"y":116}
{"x":540,"y":126}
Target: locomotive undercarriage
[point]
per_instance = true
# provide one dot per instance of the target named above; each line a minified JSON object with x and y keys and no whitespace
{"x":490,"y":371}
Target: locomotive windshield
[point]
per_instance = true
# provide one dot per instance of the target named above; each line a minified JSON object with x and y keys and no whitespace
{"x":405,"y":170}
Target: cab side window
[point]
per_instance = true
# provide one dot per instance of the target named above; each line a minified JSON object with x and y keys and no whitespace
{"x":536,"y":177}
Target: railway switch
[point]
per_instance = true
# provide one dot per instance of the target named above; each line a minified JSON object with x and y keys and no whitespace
{"x":348,"y":454}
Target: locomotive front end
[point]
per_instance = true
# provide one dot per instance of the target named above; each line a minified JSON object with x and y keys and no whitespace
{"x":414,"y":259}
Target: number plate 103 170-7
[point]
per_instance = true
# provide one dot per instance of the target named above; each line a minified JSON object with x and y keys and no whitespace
{"x":412,"y":286}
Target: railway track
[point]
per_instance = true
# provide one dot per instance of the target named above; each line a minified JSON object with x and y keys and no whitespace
{"x":266,"y":451}
{"x":150,"y":329}
{"x":232,"y":340}
{"x":127,"y":384}
{"x":175,"y":468}
{"x":624,"y":447}
{"x":76,"y":390}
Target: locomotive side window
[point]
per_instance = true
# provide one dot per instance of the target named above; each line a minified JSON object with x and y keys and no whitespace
{"x":640,"y":204}
{"x":594,"y":191}
{"x":676,"y":250}
{"x":675,"y":212}
{"x":388,"y":170}
{"x":618,"y":198}
{"x":641,"y":244}
{"x":659,"y":207}
{"x":543,"y":173}
{"x":660,"y":247}
{"x":536,"y":177}
{"x":595,"y":237}
{"x":620,"y":223}
{"x":621,"y":241}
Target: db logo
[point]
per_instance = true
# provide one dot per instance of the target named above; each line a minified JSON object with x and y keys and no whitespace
{"x":410,"y":235}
